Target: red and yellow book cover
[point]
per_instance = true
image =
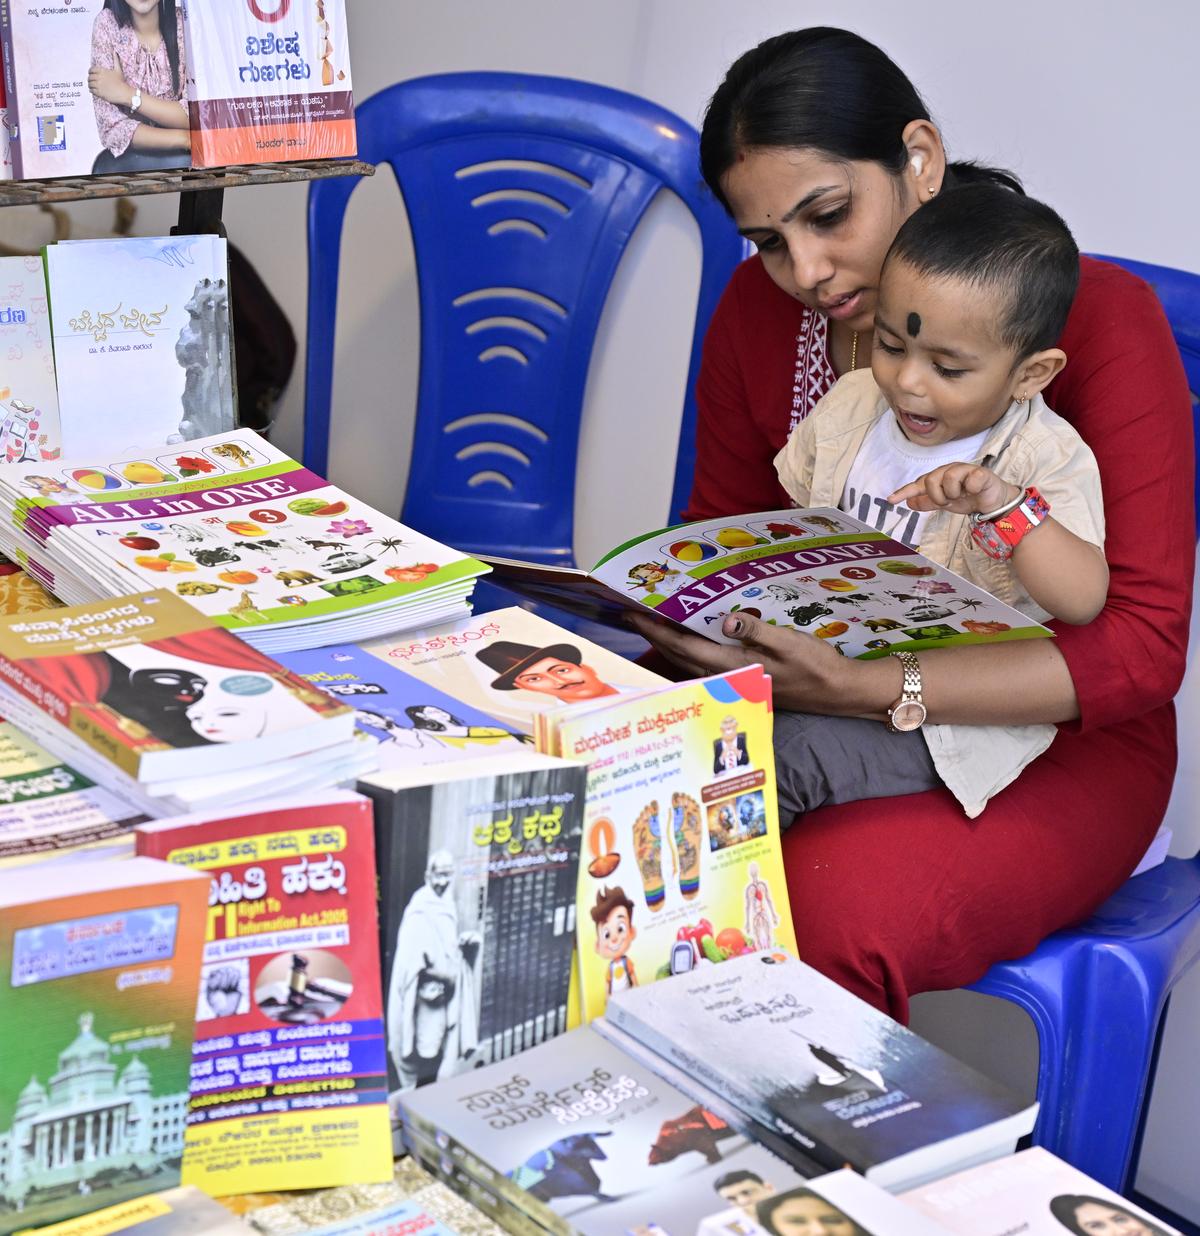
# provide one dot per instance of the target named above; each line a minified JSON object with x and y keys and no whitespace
{"x":99,"y":966}
{"x":289,"y":1075}
{"x":270,"y":82}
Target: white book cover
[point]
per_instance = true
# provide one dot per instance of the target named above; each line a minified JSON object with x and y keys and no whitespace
{"x":141,"y":342}
{"x":270,"y":81}
{"x":60,"y":126}
{"x":29,"y":422}
{"x":1034,"y":1193}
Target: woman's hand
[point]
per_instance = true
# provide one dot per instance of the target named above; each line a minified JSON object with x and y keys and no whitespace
{"x":807,"y":675}
{"x":963,"y":488}
{"x":110,"y":85}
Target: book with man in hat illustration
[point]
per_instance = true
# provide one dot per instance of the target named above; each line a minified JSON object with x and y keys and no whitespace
{"x":514,"y":665}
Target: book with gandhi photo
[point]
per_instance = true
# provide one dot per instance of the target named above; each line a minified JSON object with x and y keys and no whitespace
{"x":478,"y":862}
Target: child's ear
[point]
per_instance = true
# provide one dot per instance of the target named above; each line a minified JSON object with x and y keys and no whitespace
{"x":1036,"y":372}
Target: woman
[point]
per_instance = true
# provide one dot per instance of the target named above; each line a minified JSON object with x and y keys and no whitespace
{"x":801,"y":1212}
{"x":138,"y":78}
{"x":820,"y":147}
{"x":1093,"y":1216}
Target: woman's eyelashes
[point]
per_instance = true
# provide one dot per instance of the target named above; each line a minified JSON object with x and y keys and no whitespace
{"x":831,"y":218}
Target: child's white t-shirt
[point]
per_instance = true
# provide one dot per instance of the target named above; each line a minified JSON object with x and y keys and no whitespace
{"x":885,"y":461}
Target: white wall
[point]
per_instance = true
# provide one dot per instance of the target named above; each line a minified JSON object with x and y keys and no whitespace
{"x":1092,"y":102}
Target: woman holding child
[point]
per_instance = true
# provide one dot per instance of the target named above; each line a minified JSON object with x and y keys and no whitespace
{"x":821,"y":149}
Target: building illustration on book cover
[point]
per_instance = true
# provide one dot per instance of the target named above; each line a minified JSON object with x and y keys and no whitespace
{"x":100,"y":964}
{"x":477,"y":878}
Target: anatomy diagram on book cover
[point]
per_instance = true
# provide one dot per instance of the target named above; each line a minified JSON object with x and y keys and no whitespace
{"x":761,"y":915}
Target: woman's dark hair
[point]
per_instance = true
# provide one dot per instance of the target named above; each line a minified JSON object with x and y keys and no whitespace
{"x":1064,"y":1206}
{"x":991,"y":238}
{"x":168,"y":26}
{"x":416,"y":714}
{"x":765,"y":1210}
{"x":823,"y":89}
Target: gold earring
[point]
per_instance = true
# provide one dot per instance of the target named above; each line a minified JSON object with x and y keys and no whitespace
{"x":1023,"y":398}
{"x":932,"y":191}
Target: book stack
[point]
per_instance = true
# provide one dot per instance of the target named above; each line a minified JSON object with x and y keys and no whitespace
{"x":237,"y":528}
{"x":146,"y":695}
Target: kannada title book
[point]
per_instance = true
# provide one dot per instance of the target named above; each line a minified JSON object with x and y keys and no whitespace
{"x":410,"y":722}
{"x":59,"y":127}
{"x":1032,"y":1192}
{"x":820,"y":571}
{"x":580,"y":1138}
{"x":289,"y":1057}
{"x":847,"y":1084}
{"x":30,"y":431}
{"x":514,"y":665}
{"x":148,"y":690}
{"x":270,"y":82}
{"x":142,"y":345}
{"x":683,"y":860}
{"x":101,"y":965}
{"x":241,"y":531}
{"x":478,"y":863}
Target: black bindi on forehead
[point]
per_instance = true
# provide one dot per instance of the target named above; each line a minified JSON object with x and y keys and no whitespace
{"x":914,"y":325}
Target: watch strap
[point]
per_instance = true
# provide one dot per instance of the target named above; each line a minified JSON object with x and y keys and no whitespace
{"x":998,"y":534}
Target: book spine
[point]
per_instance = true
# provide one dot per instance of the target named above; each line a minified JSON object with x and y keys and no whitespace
{"x":497,"y":1182}
{"x":653,"y":1040}
{"x":11,"y":98}
{"x":443,"y":1168}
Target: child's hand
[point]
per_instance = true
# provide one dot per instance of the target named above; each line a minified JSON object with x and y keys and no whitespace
{"x":962,"y":488}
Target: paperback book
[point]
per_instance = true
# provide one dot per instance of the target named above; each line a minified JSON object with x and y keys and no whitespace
{"x":514,"y":665}
{"x":838,"y":1202}
{"x":270,"y":82}
{"x":59,"y":125}
{"x":241,"y":531}
{"x":683,"y":863}
{"x":47,"y":807}
{"x":142,"y":346}
{"x":819,"y":571}
{"x":578,"y":1137}
{"x":184,"y":1211}
{"x":146,"y":694}
{"x":409,"y":722}
{"x":1030,"y":1192}
{"x":100,"y":964}
{"x":30,"y":431}
{"x":20,"y":593}
{"x":844,"y":1082}
{"x":290,"y":1013}
{"x":478,"y":863}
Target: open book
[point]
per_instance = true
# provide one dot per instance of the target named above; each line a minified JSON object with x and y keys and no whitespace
{"x":819,"y":571}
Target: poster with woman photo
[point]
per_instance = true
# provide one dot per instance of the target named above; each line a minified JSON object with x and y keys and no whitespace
{"x":98,"y":86}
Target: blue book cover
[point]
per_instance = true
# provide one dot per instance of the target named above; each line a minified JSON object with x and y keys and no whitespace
{"x":842,"y":1080}
{"x":413,"y":723}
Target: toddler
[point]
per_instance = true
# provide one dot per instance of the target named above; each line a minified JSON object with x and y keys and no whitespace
{"x":946,"y":444}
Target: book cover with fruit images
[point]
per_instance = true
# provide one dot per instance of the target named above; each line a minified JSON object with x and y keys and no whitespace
{"x":100,"y":964}
{"x":682,"y":862}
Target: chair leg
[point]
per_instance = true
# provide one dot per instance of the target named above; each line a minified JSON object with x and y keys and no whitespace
{"x":1111,"y":1014}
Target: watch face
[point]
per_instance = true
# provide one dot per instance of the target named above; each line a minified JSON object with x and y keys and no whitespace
{"x":907,"y":715}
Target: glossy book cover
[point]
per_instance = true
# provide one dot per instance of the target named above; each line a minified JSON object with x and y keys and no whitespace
{"x":289,"y":1057}
{"x":29,"y":423}
{"x":100,"y":964}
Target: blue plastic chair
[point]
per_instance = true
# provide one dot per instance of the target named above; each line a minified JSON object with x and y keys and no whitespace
{"x":522,"y":193}
{"x":1097,"y":993}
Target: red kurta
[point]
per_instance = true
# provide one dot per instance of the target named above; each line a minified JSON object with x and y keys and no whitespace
{"x":897,"y":896}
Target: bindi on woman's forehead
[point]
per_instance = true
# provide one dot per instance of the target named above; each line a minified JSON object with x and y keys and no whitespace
{"x":914,"y":325}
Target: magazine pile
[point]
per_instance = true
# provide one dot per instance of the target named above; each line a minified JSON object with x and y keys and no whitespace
{"x":242,"y":532}
{"x":145,"y":695}
{"x":820,"y":571}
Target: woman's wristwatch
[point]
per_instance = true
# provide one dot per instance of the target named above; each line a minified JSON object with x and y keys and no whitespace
{"x":135,"y":104}
{"x":908,"y":712}
{"x":999,"y":532}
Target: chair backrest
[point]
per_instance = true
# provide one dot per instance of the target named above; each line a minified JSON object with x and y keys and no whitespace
{"x":521,"y":193}
{"x":1179,"y":291}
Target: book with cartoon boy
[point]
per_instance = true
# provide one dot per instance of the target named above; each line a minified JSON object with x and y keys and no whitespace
{"x":682,"y":862}
{"x":820,"y":571}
